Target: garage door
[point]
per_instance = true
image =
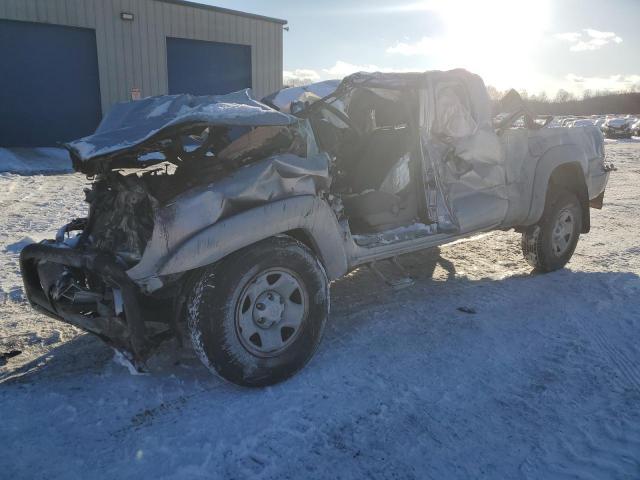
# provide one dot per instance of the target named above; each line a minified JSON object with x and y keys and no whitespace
{"x":206,"y":68}
{"x":49,"y":87}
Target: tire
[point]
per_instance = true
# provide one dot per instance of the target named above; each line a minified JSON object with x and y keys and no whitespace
{"x":257,"y":316}
{"x":549,"y":245}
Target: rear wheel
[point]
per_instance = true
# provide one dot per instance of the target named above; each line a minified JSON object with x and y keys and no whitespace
{"x":549,"y":245}
{"x":257,"y":316}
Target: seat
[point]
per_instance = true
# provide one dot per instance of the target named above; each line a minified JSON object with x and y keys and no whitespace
{"x":383,"y":148}
{"x":381,"y":177}
{"x":376,"y":211}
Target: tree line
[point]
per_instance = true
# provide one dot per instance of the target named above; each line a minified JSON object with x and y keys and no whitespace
{"x":566,"y":103}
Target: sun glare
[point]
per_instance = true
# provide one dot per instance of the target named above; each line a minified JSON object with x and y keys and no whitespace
{"x":498,"y":39}
{"x":494,"y":38}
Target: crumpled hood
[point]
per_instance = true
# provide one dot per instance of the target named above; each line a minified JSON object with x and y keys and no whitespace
{"x":130,"y":124}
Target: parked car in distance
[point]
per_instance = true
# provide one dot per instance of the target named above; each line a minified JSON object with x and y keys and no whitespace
{"x":582,"y":122}
{"x":617,"y":127}
{"x":228,"y":218}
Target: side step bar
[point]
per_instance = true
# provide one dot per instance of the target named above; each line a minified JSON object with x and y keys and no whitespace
{"x":398,"y":283}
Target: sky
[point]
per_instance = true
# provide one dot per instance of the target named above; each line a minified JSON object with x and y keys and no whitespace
{"x":533,"y":45}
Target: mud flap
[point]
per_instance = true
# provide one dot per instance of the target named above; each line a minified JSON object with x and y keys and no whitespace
{"x":597,"y":202}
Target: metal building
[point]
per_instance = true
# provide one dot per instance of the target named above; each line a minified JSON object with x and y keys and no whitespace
{"x":65,"y":62}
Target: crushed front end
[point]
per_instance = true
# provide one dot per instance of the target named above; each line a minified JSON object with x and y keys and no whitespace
{"x":89,"y":290}
{"x":162,"y":169}
{"x":81,"y":277}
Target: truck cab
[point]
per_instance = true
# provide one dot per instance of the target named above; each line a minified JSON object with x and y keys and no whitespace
{"x":228,"y":218}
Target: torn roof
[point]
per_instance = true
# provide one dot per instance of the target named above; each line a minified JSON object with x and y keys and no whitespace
{"x":130,"y":124}
{"x":420,"y":80}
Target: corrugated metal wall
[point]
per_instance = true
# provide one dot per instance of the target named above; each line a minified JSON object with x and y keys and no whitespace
{"x":133,"y":53}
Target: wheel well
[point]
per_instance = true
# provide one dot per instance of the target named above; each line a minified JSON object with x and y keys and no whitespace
{"x":569,"y":176}
{"x":303,"y":237}
{"x":307,"y":239}
{"x":189,"y":278}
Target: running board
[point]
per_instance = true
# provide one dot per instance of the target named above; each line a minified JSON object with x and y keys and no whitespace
{"x":401,"y":282}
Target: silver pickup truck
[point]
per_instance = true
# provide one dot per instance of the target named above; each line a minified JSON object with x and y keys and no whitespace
{"x":227,"y":218}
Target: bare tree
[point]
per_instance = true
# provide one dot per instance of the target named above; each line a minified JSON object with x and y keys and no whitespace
{"x":563,"y":96}
{"x":494,"y":93}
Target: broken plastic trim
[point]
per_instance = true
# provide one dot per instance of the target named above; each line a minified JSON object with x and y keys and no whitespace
{"x":130,"y":338}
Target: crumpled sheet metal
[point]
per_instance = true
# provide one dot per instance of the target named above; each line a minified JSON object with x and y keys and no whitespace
{"x":464,"y":165}
{"x":453,"y":120}
{"x":268,"y":180}
{"x":470,"y":165}
{"x":132,"y":123}
{"x":449,"y":124}
{"x":435,"y":176}
{"x":463,"y":155}
{"x":474,"y":85}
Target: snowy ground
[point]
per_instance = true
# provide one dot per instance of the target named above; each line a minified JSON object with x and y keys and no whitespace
{"x":27,"y":161}
{"x":542,"y":382}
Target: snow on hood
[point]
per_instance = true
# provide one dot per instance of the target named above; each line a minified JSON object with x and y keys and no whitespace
{"x":282,"y":99}
{"x":132,"y":123}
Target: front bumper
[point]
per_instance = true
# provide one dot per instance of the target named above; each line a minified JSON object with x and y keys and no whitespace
{"x":124,"y":330}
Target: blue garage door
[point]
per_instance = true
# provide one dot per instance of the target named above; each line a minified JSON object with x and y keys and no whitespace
{"x":49,"y":86}
{"x":206,"y":68}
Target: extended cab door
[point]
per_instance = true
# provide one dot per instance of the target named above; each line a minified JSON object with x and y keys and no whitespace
{"x":467,"y":159}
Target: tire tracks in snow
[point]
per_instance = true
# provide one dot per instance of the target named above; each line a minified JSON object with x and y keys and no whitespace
{"x":603,"y":440}
{"x":625,"y":364}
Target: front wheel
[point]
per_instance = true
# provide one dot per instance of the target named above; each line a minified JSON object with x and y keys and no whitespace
{"x":549,"y":245}
{"x":257,"y":316}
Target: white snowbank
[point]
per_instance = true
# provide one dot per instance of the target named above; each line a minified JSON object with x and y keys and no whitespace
{"x":26,"y":161}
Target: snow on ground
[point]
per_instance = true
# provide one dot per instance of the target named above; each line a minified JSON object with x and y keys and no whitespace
{"x":622,"y":140}
{"x":542,"y":382}
{"x":27,"y":161}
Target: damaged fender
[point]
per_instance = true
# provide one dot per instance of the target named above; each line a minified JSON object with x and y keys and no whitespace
{"x":306,"y":212}
{"x":555,"y":157}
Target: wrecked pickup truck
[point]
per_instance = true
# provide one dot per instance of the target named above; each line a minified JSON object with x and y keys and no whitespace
{"x":227,"y":218}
